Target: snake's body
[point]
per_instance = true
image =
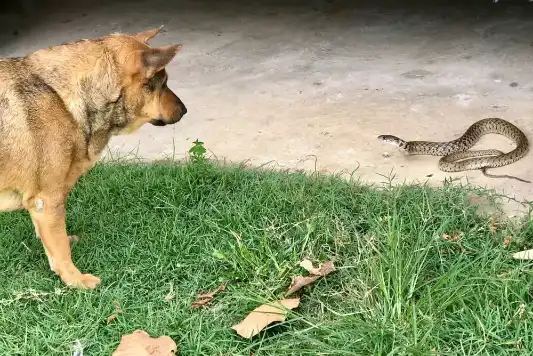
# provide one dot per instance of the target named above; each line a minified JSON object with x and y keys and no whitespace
{"x":457,"y":158}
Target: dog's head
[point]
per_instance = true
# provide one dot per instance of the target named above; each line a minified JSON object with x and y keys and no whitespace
{"x":147,"y":98}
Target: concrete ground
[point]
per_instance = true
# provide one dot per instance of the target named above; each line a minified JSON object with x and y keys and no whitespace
{"x":313,"y":83}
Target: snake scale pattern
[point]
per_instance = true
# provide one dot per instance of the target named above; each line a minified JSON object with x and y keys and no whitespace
{"x":456,"y":154}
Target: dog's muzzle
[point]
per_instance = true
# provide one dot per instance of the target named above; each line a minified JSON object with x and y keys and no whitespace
{"x":158,"y":122}
{"x":177,"y":117}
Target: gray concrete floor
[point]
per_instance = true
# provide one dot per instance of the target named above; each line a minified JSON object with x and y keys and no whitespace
{"x":314,"y":83}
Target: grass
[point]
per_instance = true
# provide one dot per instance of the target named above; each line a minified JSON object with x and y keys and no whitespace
{"x":155,"y":230}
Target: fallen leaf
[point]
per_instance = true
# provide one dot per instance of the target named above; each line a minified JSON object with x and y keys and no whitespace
{"x":111,"y":318}
{"x":300,"y":281}
{"x":454,"y":238}
{"x":506,"y":241}
{"x":524,"y":255}
{"x":139,"y":343}
{"x":115,"y":314}
{"x":308,"y":266}
{"x":203,"y":299}
{"x":323,"y":269}
{"x":493,"y":226}
{"x":212,"y":293}
{"x":264,"y":315}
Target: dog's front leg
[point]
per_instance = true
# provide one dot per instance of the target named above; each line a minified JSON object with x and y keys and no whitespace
{"x":48,"y":216}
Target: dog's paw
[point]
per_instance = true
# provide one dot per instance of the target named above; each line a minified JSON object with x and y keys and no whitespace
{"x":81,"y":281}
{"x":86,"y":281}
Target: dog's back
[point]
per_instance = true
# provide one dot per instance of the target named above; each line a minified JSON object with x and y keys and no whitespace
{"x":27,"y":105}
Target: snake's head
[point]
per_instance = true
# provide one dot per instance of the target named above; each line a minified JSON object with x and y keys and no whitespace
{"x":395,"y":141}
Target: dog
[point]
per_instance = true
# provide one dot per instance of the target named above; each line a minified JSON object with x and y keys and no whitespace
{"x":59,"y":107}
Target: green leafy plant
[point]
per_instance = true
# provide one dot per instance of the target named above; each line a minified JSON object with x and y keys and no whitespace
{"x":197,"y":152}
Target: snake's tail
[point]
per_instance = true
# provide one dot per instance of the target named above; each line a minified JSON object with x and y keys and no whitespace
{"x":484,"y":170}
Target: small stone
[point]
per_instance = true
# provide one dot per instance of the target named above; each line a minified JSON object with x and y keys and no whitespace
{"x":386,"y":154}
{"x":416,"y":74}
{"x":513,"y":84}
{"x":499,"y":108}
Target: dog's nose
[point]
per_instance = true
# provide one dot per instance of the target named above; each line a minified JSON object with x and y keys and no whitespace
{"x":183,"y":110}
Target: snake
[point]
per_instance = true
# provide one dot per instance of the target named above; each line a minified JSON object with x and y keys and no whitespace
{"x":456,"y":154}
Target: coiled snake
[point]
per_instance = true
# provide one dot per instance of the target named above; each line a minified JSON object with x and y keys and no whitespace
{"x":457,"y":158}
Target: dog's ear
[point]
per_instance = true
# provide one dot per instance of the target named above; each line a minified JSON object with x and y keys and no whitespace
{"x":145,"y":36}
{"x":155,"y":59}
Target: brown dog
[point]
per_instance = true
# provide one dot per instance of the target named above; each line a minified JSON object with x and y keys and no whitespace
{"x":59,"y":108}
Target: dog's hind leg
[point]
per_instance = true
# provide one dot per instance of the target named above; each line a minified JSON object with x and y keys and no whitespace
{"x":50,"y":225}
{"x":10,"y":201}
{"x":50,"y":260}
{"x":71,"y":238}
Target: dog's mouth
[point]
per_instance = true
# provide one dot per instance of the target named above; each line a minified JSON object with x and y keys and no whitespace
{"x":158,"y":122}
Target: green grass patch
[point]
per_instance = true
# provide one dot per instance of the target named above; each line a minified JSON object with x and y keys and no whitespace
{"x":151,"y":230}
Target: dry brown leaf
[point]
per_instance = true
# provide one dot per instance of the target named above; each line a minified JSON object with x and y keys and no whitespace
{"x":493,"y":227}
{"x":300,"y":281}
{"x":111,"y":318}
{"x":506,"y":241}
{"x":212,"y":293}
{"x":456,"y":237}
{"x":139,"y":343}
{"x":308,"y":266}
{"x":115,"y":314}
{"x":262,"y":316}
{"x":203,"y":299}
